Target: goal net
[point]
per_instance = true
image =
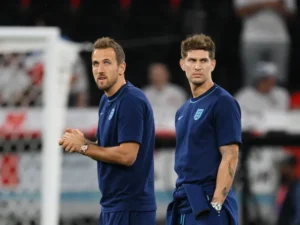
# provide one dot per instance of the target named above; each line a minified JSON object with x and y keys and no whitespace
{"x":35,"y":69}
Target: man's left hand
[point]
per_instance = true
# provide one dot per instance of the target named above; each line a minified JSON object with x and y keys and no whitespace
{"x":72,"y":140}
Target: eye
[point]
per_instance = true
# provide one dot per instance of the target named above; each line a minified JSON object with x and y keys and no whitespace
{"x":95,"y":63}
{"x":107,"y":62}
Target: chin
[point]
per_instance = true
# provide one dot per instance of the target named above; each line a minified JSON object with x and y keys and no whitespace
{"x":197,"y":82}
{"x":103,"y":87}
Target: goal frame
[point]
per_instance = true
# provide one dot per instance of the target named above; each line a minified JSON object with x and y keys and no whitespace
{"x":53,"y":109}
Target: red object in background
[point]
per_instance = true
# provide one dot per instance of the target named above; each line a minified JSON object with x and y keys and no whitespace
{"x":36,"y":73}
{"x":9,"y":172}
{"x":12,"y":124}
{"x":125,"y":4}
{"x":295,"y":104}
{"x":25,"y":3}
{"x":295,"y":101}
{"x":13,"y":121}
{"x":75,"y":3}
{"x":175,"y":3}
{"x":280,"y":197}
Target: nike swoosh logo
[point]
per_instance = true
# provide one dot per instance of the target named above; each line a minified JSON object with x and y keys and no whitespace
{"x":101,"y":114}
{"x":179,"y":118}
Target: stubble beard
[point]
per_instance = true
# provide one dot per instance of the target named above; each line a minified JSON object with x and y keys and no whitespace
{"x":108,"y":86}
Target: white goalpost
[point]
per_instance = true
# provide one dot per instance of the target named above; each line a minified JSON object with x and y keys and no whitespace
{"x":58,"y":56}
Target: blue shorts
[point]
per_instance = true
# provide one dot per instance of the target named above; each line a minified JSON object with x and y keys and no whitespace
{"x":128,"y":218}
{"x":210,"y":218}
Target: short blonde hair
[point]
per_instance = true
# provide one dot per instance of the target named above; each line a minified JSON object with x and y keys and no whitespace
{"x":106,"y":42}
{"x":198,"y":42}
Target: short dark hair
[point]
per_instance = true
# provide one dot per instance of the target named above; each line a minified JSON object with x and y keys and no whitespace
{"x":106,"y":42}
{"x":198,"y":42}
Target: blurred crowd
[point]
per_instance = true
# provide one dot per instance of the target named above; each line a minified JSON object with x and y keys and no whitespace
{"x":257,"y":49}
{"x":246,"y":32}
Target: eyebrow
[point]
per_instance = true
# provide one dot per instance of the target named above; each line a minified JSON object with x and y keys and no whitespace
{"x":96,"y":61}
{"x":192,"y":58}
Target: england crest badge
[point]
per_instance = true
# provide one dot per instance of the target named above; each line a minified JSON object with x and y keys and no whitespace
{"x":198,"y":114}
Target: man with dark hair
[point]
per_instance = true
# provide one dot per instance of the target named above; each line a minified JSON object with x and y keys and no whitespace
{"x":208,"y":135}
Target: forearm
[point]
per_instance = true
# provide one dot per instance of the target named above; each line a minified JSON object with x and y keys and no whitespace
{"x":225,"y":178}
{"x":113,"y":155}
{"x":125,"y":154}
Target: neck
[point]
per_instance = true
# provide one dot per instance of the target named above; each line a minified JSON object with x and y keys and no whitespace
{"x":110,"y":92}
{"x":198,"y":90}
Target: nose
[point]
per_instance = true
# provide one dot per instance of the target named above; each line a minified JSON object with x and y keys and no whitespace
{"x":198,"y":66}
{"x":99,"y":68}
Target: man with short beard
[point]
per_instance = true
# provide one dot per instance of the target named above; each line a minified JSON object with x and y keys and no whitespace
{"x":125,"y":142}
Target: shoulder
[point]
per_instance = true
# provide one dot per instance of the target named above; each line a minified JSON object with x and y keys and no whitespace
{"x":222,"y":94}
{"x":225,"y":100}
{"x":135,"y":93}
{"x":133,"y":96}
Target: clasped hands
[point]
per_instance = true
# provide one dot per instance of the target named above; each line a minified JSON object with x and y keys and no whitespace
{"x":72,"y":140}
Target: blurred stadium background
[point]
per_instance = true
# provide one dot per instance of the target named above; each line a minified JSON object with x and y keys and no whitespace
{"x":257,"y":61}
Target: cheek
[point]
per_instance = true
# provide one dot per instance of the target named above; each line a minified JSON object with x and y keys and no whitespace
{"x":94,"y":75}
{"x":208,"y":68}
{"x":187,"y":68}
{"x":94,"y":71}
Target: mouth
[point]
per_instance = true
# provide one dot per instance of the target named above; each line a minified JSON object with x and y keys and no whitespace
{"x":197,"y":75}
{"x":101,"y":78}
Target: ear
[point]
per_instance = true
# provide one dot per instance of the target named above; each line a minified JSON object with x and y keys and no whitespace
{"x":122,"y":68}
{"x":213,"y":64}
{"x":181,"y":63}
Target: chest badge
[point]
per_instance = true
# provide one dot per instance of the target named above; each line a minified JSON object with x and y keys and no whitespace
{"x":112,"y":112}
{"x":198,"y":114}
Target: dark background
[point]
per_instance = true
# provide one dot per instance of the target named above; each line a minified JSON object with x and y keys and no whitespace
{"x":149,"y":31}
